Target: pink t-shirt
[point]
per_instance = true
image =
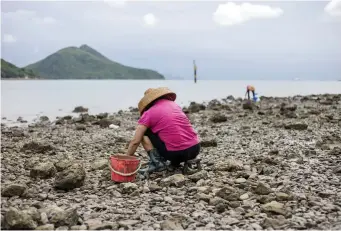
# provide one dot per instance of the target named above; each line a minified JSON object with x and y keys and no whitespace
{"x":167,"y":119}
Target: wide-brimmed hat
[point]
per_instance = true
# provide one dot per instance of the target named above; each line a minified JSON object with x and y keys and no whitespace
{"x":154,"y":93}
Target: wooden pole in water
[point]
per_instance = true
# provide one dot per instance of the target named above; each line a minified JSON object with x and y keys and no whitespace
{"x":195,"y":72}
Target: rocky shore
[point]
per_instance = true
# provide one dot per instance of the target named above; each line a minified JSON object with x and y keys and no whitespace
{"x":274,"y":165}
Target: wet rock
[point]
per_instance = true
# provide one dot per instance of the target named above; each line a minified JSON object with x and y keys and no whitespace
{"x":43,"y":171}
{"x":13,"y":190}
{"x":274,"y":207}
{"x":177,"y":180}
{"x":70,"y":178}
{"x":62,"y":228}
{"x":229,"y":165}
{"x":296,"y":126}
{"x":282,"y":196}
{"x":263,"y":189}
{"x":218,"y":118}
{"x":62,"y":217}
{"x":62,"y":164}
{"x":198,"y":176}
{"x":128,"y":187}
{"x":15,"y":219}
{"x":228,"y":193}
{"x":195,"y":107}
{"x":209,"y":143}
{"x":100,"y":164}
{"x":154,"y":187}
{"x":80,"y":109}
{"x":221,"y":207}
{"x":171,"y":224}
{"x":37,"y":147}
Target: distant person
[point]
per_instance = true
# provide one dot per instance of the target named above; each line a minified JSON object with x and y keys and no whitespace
{"x":248,"y":89}
{"x":164,"y":131}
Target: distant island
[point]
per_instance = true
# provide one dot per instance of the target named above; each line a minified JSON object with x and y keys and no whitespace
{"x":9,"y":71}
{"x":82,"y":63}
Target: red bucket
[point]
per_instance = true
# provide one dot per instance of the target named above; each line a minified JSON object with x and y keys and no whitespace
{"x":124,"y":168}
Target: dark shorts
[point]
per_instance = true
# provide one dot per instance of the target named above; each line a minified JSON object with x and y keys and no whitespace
{"x":248,"y":94}
{"x":176,"y":157}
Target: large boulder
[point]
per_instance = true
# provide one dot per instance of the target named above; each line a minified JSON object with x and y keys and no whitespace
{"x":296,"y":126}
{"x":80,"y":109}
{"x":21,"y":219}
{"x":61,"y":217}
{"x":13,"y":190}
{"x":218,"y":118}
{"x":37,"y":147}
{"x":195,"y":107}
{"x":71,"y":177}
{"x":43,"y":171}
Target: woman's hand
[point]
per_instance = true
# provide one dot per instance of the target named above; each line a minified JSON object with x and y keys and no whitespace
{"x":139,"y":133}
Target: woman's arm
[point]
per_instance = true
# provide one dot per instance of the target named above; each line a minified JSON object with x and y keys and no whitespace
{"x":139,"y":133}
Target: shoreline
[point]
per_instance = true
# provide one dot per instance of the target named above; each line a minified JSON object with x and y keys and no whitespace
{"x":276,"y":166}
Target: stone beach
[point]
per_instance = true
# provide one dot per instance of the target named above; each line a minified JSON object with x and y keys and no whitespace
{"x":271,"y":165}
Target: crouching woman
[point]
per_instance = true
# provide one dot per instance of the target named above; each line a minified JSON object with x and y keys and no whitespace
{"x":164,"y":131}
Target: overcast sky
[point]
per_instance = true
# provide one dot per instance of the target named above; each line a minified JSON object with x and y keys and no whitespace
{"x":230,"y":40}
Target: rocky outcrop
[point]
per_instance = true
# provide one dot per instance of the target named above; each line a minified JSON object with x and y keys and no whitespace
{"x":71,"y":177}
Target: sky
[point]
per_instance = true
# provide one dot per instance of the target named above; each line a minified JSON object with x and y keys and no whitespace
{"x":228,"y":39}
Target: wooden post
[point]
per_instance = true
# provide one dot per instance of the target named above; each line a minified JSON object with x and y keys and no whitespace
{"x":195,"y":72}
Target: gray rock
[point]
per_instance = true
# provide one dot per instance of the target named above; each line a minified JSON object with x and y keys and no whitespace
{"x":43,"y":171}
{"x":263,"y":189}
{"x":128,"y":187}
{"x":274,"y":207}
{"x":296,"y":126}
{"x":37,"y":147}
{"x":100,"y":164}
{"x":177,"y":180}
{"x":228,"y":193}
{"x":218,"y":118}
{"x":62,"y":164}
{"x":13,"y":190}
{"x":171,"y":224}
{"x":62,"y":217}
{"x":70,"y":178}
{"x":15,"y":219}
{"x":45,"y":227}
{"x":229,"y":165}
{"x":198,"y":176}
{"x":277,"y":224}
{"x":78,"y":227}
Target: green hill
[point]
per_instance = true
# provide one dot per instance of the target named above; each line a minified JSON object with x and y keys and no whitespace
{"x":86,"y":63}
{"x":9,"y":70}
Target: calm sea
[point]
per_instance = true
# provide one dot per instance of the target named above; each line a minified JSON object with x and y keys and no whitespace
{"x":33,"y":98}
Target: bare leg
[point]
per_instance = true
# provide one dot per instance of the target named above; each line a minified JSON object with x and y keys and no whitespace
{"x":147,"y":144}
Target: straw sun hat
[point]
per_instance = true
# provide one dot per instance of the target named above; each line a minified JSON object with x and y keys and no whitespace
{"x":154,"y":93}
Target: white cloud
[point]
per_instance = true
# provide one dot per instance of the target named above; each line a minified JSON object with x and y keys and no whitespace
{"x":149,"y":19}
{"x":333,"y":8}
{"x":8,"y":38}
{"x":28,"y":15}
{"x":115,"y":3}
{"x":230,"y":13}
